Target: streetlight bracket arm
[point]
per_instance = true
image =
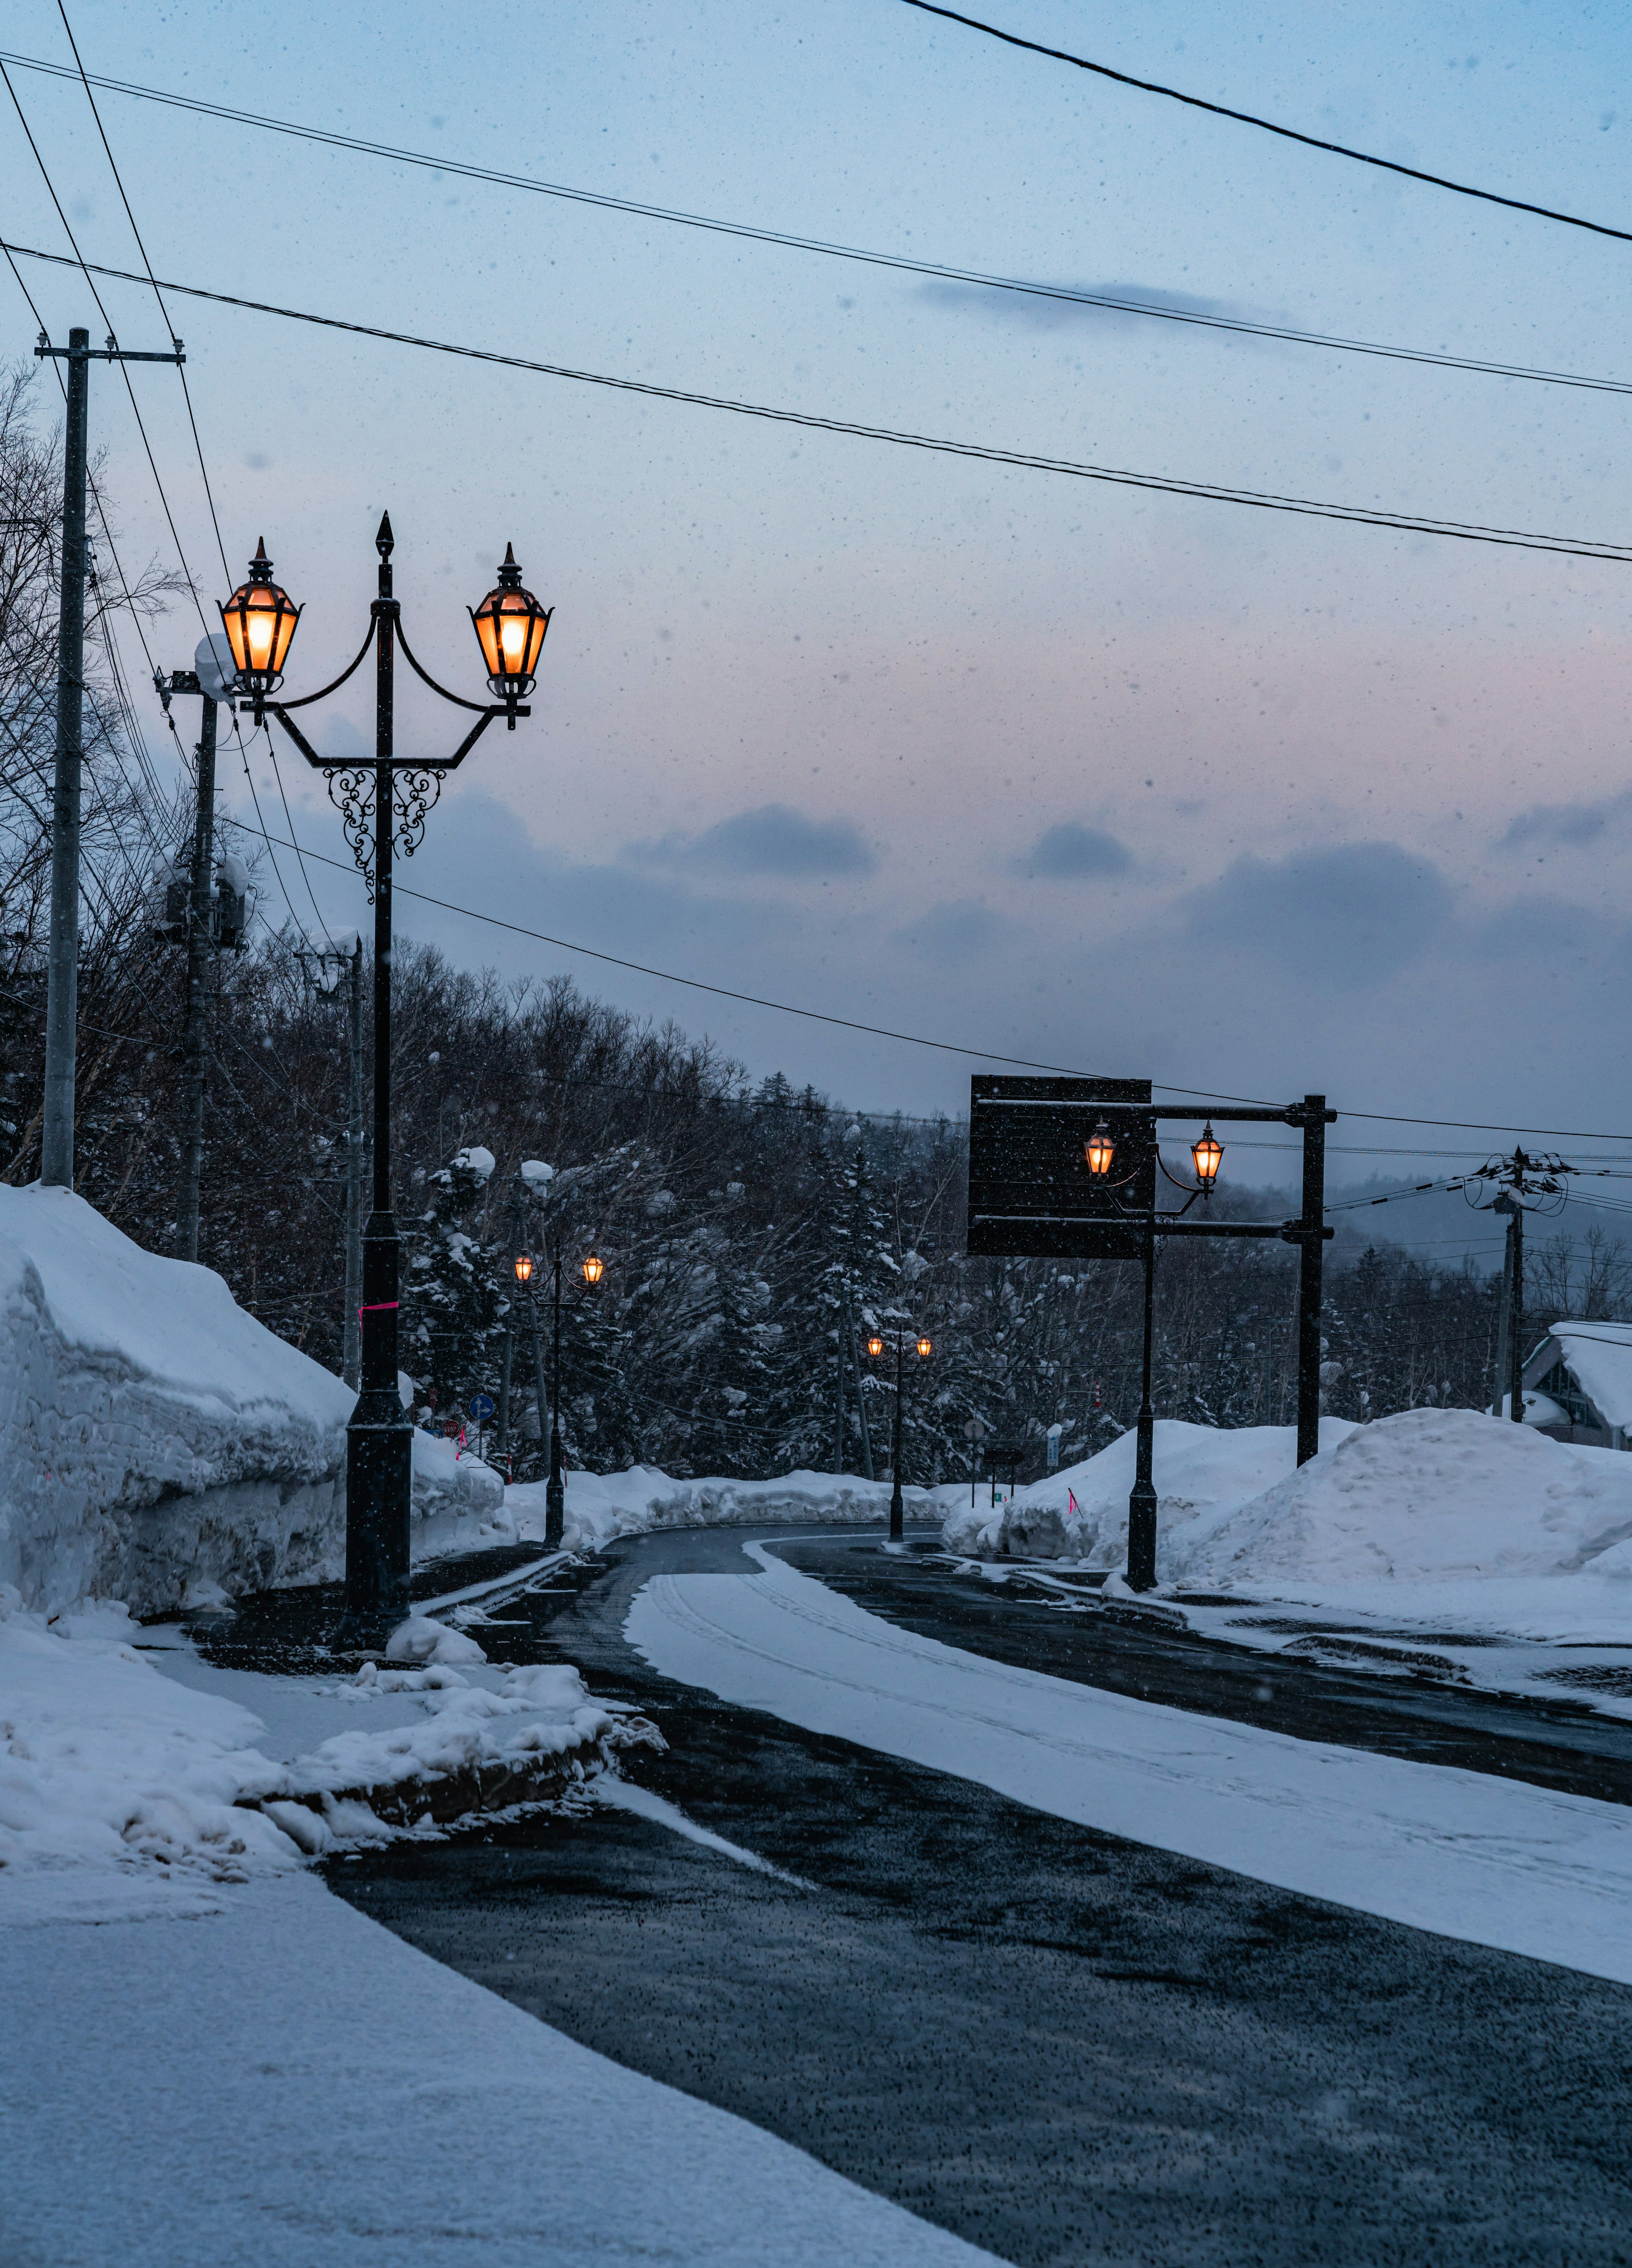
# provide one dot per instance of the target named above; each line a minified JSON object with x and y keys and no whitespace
{"x":458,"y":699}
{"x":306,"y":699}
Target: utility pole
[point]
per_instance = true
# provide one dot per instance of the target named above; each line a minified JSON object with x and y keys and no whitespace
{"x":1518,"y":1177}
{"x":56,"y":1147}
{"x":1503,"y":1309}
{"x":209,"y":678}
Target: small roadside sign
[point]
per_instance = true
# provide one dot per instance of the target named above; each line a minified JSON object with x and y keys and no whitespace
{"x":481,"y":1406}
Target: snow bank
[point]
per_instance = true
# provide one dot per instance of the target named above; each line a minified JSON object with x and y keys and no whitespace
{"x":1429,"y":1496}
{"x":600,"y":1506}
{"x":151,"y":1433}
{"x":126,"y":1791}
{"x":158,"y":1445}
{"x":1200,"y":1472}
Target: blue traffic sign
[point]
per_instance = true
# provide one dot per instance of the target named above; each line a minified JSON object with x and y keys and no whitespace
{"x":481,"y":1406}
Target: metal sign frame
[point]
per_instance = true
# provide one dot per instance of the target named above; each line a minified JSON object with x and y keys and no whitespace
{"x":1031,"y":1196}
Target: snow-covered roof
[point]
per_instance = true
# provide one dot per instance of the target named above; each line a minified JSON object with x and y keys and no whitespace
{"x":1600,"y":1357}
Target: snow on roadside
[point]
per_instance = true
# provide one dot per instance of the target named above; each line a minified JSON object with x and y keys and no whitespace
{"x":132,"y":1784}
{"x":1201,"y":1472}
{"x":1431,"y":1495}
{"x":601,"y":1507}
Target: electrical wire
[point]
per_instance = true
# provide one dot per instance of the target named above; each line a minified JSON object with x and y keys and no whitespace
{"x":1266,"y":125}
{"x":782,"y":240}
{"x":1021,"y":459}
{"x":198,"y":445}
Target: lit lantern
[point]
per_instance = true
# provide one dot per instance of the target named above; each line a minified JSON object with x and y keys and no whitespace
{"x":510,"y":626}
{"x":593,"y":1268}
{"x":925,"y":1348}
{"x":1100,"y":1150}
{"x":875,"y":1346}
{"x":524,"y":1268}
{"x":1208,"y":1155}
{"x":260,"y":620}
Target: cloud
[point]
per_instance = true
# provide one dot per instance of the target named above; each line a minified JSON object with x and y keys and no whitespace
{"x":956,"y":932}
{"x":1350,"y":916}
{"x":1563,"y":826}
{"x":774,"y":839}
{"x":1072,"y":853}
{"x":1035,"y":311}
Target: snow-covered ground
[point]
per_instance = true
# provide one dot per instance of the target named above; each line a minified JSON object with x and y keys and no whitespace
{"x":283,"y":2084}
{"x":600,"y":1506}
{"x":1439,"y":1543}
{"x":1468,"y":1854}
{"x":1200,"y":1471}
{"x":138,"y":1780}
{"x":158,"y":1445}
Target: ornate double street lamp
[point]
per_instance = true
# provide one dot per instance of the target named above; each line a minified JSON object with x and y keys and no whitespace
{"x":555,"y":1488}
{"x":924,"y":1348}
{"x":1206,"y":1155}
{"x":383,"y":805}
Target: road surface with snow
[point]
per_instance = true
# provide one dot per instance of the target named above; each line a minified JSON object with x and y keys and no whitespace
{"x":1042,"y":2031}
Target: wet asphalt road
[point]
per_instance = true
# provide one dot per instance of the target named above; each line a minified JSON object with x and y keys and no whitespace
{"x":1065,"y":2047}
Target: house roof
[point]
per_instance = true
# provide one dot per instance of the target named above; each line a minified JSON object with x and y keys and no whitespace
{"x":1600,"y":1357}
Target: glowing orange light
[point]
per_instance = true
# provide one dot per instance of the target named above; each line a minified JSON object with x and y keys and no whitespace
{"x":1208,"y":1155}
{"x":1100,"y":1150}
{"x":593,"y":1268}
{"x":524,"y":1268}
{"x":260,"y":620}
{"x":925,"y":1348}
{"x":510,"y":626}
{"x":875,"y":1346}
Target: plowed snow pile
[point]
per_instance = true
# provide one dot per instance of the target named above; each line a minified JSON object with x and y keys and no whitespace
{"x":1431,"y":1495}
{"x":158,"y":1445}
{"x":1201,"y":1473}
{"x":600,"y":1506}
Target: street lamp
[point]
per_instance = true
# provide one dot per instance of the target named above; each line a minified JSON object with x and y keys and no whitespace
{"x":593,"y":1266}
{"x":875,"y":1347}
{"x":382,"y":805}
{"x":1206,"y":1155}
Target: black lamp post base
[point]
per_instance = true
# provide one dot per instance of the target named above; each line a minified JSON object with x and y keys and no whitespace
{"x":898,"y":1514}
{"x":380,"y":1481}
{"x":554,"y":1512}
{"x":1142,"y":1537}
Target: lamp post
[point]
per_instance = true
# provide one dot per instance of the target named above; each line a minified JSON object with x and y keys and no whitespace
{"x":382,"y":806}
{"x":1206,"y":1155}
{"x":875,"y":1347}
{"x":555,"y":1488}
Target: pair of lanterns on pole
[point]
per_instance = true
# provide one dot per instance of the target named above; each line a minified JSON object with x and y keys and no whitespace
{"x":593,"y":1268}
{"x":1206,"y":1155}
{"x":875,"y":1347}
{"x":260,"y":618}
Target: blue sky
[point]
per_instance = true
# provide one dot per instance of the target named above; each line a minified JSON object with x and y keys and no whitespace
{"x":1125,"y":782}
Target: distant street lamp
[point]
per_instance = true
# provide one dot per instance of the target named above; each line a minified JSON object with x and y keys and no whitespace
{"x":1206,"y":1155}
{"x":555,"y":1488}
{"x":925,"y":1348}
{"x":382,"y":805}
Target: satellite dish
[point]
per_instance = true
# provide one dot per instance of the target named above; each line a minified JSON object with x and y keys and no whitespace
{"x":216,"y":669}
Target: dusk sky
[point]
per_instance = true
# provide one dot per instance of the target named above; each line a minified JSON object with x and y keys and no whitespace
{"x":1120,"y":781}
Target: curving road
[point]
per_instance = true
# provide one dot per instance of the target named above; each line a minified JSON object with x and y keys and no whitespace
{"x":1065,"y":2046}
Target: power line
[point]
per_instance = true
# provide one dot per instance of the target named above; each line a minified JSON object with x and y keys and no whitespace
{"x":784,"y":241}
{"x":1024,"y":461}
{"x":1268,"y":125}
{"x":192,"y":421}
